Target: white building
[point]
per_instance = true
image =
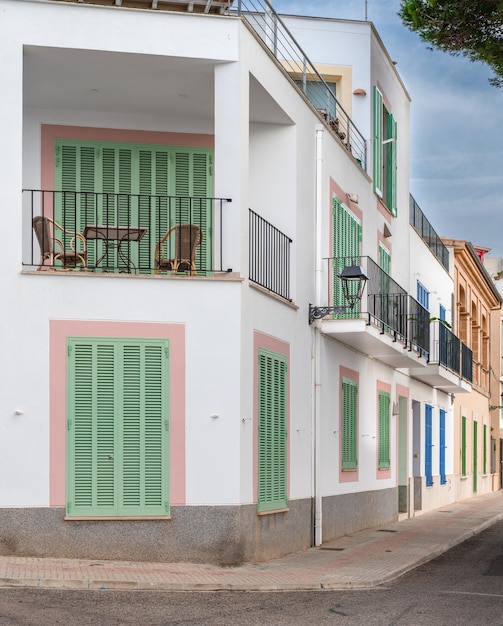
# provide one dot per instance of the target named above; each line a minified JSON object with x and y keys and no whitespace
{"x":207,"y":413}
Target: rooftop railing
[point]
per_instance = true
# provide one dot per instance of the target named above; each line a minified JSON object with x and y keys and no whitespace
{"x":269,"y":26}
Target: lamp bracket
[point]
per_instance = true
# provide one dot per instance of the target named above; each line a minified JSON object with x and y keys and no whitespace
{"x":493,"y":408}
{"x":318,"y":312}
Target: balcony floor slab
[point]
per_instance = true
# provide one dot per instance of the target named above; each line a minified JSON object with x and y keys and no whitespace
{"x":368,"y":339}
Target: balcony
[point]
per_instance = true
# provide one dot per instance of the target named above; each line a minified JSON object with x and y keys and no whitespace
{"x":387,"y":324}
{"x":123,"y":233}
{"x":450,"y":365}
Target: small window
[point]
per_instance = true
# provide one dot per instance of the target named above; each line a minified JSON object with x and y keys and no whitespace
{"x":423,"y":296}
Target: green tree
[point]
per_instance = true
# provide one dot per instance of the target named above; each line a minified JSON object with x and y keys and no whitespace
{"x":472,"y":28}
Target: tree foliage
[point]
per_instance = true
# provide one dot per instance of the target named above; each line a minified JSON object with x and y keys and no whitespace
{"x":472,"y":28}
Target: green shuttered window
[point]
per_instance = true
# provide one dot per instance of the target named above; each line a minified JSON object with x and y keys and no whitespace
{"x":349,"y":423}
{"x":384,"y":430}
{"x":272,"y":431}
{"x":346,"y":241}
{"x":463,"y":446}
{"x":135,"y":171}
{"x":385,"y":153}
{"x":117,"y":427}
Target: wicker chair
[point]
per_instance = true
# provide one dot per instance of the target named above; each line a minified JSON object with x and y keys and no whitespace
{"x":183,"y":258}
{"x":52,"y":247}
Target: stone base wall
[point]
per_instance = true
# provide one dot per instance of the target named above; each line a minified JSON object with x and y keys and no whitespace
{"x":349,"y":513}
{"x":223,"y":535}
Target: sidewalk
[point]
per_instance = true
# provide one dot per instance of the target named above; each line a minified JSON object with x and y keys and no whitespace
{"x":363,"y":560}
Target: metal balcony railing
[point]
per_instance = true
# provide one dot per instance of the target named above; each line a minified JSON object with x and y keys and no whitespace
{"x":269,"y":256}
{"x":123,"y":233}
{"x":385,"y":304}
{"x":425,"y":230}
{"x":271,"y":29}
{"x":466,"y":363}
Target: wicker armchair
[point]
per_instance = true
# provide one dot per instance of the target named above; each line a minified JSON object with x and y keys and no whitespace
{"x":52,"y":247}
{"x":180,"y":256}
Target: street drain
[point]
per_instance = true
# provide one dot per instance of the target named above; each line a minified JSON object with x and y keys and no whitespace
{"x":386,"y":530}
{"x":334,"y":549}
{"x":445,"y":511}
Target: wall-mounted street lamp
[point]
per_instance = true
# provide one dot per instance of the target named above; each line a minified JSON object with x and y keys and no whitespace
{"x":353,"y":280}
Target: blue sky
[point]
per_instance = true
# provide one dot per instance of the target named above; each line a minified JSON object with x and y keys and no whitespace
{"x":456,"y":124}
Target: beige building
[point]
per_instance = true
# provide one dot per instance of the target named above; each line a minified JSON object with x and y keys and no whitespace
{"x":476,"y":423}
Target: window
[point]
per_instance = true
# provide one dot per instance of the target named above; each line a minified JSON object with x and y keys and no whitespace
{"x":272,"y":433}
{"x":384,"y":258}
{"x":117,"y":427}
{"x":442,"y":313}
{"x":317,"y":93}
{"x":346,"y":238}
{"x":463,"y":446}
{"x":423,"y":296}
{"x":385,"y":153}
{"x":443,"y":478}
{"x":349,"y":424}
{"x":118,"y":172}
{"x":384,"y":428}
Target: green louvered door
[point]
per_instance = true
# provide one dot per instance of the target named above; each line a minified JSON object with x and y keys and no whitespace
{"x":117,"y":427}
{"x":272,"y":431}
{"x":134,"y":182}
{"x":346,"y":241}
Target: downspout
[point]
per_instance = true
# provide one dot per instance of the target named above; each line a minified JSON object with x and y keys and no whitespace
{"x":316,"y":346}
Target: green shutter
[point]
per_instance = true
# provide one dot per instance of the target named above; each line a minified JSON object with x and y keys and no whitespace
{"x":129,"y":170}
{"x":463,"y":446}
{"x":346,"y":241}
{"x":484,"y":451}
{"x":392,"y":168}
{"x":378,"y":145}
{"x":193,"y":175}
{"x":384,"y":259}
{"x":272,"y":433}
{"x":384,"y":430}
{"x":475,"y":456}
{"x":349,"y":424}
{"x":117,"y":462}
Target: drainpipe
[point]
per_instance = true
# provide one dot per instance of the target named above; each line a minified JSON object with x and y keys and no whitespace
{"x":316,"y":346}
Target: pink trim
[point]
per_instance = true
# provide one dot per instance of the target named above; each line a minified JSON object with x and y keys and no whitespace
{"x":382,"y":474}
{"x":49,"y":134}
{"x":59,"y":330}
{"x":402,"y":392}
{"x":349,"y":476}
{"x":261,"y":340}
{"x":383,"y":210}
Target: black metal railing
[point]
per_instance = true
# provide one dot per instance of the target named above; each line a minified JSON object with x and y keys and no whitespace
{"x":386,"y":305}
{"x":466,"y":363}
{"x":269,"y":256}
{"x":123,"y":233}
{"x":446,"y":347}
{"x":269,"y":26}
{"x":425,"y":230}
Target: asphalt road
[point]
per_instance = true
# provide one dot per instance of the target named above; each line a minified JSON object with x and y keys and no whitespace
{"x":463,"y":586}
